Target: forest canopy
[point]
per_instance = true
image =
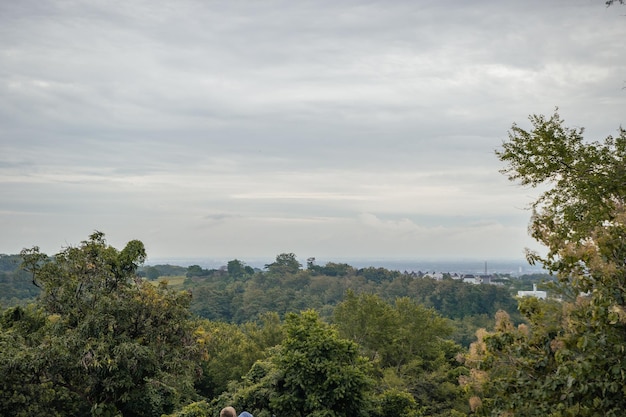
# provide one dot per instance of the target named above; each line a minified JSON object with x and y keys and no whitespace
{"x":100,"y":338}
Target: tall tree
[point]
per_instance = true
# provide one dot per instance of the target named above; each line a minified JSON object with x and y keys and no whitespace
{"x":238,"y":269}
{"x":100,"y":340}
{"x":286,"y":263}
{"x":313,"y":372}
{"x":580,"y":215}
{"x":575,"y":367}
{"x":230,"y":350}
{"x":407,"y":342}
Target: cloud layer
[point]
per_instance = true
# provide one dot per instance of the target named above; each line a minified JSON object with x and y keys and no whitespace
{"x":242,"y":128}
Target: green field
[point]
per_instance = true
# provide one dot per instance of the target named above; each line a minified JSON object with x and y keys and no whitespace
{"x":172,"y":281}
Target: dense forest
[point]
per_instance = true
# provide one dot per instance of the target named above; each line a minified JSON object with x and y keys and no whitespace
{"x":90,"y":332}
{"x":237,"y":293}
{"x":174,"y":335}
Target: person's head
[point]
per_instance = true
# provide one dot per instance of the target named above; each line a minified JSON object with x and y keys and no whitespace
{"x":228,"y":412}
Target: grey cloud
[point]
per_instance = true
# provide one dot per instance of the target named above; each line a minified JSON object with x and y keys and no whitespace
{"x":154,"y":114}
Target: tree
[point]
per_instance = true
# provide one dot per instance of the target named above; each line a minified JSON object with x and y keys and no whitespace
{"x":152,"y":273}
{"x":313,"y":372}
{"x":99,"y":340}
{"x":407,"y":342}
{"x":238,"y":269}
{"x":579,"y":217}
{"x":235,"y":268}
{"x":320,"y":371}
{"x":575,"y":367}
{"x":230,"y":350}
{"x":15,"y":287}
{"x":378,"y":275}
{"x":286,"y":263}
{"x":196,"y":271}
{"x":367,"y":320}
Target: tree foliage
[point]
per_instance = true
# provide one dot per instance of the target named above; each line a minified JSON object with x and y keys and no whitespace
{"x":99,"y":340}
{"x":238,"y":269}
{"x":286,"y":263}
{"x":248,"y":297}
{"x":15,"y":288}
{"x":230,"y":350}
{"x":313,"y":372}
{"x":409,"y":345}
{"x":117,"y":344}
{"x":585,"y":182}
{"x":568,"y":361}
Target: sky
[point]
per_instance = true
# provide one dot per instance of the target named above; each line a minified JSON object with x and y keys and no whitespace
{"x":329,"y":129}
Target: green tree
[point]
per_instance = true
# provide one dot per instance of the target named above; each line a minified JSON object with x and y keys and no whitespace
{"x":236,"y":268}
{"x":25,"y":387}
{"x":378,"y":275}
{"x":408,"y":343}
{"x":152,"y":273}
{"x":369,"y":321}
{"x":333,"y":269}
{"x":99,"y":340}
{"x":230,"y":350}
{"x":15,"y":287}
{"x":313,"y":372}
{"x":286,"y":263}
{"x":9,"y":263}
{"x":580,"y":217}
{"x":576,"y":366}
{"x":196,"y":271}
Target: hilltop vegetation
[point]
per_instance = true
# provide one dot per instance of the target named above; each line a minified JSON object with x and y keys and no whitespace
{"x":15,"y":285}
{"x":100,"y":340}
{"x":223,"y":331}
{"x":238,"y":293}
{"x":238,"y":298}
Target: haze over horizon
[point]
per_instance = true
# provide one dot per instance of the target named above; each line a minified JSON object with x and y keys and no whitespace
{"x":335,"y":130}
{"x":514,"y":267}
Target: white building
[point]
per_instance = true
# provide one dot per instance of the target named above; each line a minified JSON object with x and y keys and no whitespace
{"x":542,"y":295}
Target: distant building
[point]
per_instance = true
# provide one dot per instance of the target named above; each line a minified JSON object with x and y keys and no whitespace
{"x":485,"y":279}
{"x":438,"y":276}
{"x":472,"y":279}
{"x":542,"y":295}
{"x":467,"y":278}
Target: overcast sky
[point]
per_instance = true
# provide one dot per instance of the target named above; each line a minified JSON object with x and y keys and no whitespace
{"x":333,"y":129}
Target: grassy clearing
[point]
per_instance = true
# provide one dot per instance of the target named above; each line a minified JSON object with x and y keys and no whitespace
{"x":172,"y":281}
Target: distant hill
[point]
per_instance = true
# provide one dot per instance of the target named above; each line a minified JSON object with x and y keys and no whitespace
{"x":513,"y":267}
